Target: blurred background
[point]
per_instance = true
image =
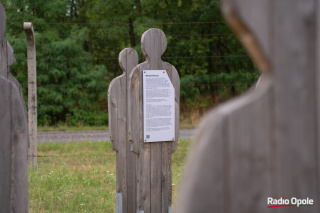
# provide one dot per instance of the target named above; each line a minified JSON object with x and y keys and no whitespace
{"x":78,"y":43}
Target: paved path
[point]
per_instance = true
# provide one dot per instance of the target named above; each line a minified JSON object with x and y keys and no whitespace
{"x":80,"y":136}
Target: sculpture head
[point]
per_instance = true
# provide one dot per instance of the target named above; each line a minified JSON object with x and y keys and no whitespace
{"x":153,"y":43}
{"x":128,"y":59}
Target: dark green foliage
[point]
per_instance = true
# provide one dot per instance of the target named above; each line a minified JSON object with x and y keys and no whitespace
{"x":221,"y":84}
{"x":78,"y":42}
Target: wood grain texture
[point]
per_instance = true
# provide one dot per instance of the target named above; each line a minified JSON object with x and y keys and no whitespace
{"x":133,"y":115}
{"x":14,"y":135}
{"x":229,"y":168}
{"x":32,"y":93}
{"x":264,"y":143}
{"x":295,"y":98}
{"x":166,"y":174}
{"x":154,"y":159}
{"x":5,"y":128}
{"x":318,"y":89}
{"x":3,"y":59}
{"x":156,"y":176}
{"x":118,"y":125}
{"x":19,"y":151}
{"x":11,"y":60}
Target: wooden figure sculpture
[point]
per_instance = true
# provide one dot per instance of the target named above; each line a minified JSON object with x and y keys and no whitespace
{"x":153,"y":158}
{"x":264,"y":144}
{"x":125,"y":160}
{"x":14,"y":137}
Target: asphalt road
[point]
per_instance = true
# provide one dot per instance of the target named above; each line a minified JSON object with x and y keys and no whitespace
{"x":81,"y":136}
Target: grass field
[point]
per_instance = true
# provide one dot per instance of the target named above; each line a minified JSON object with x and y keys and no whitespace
{"x":80,"y":177}
{"x":63,"y":127}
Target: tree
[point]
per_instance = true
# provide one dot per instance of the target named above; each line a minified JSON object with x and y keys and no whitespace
{"x":78,"y":42}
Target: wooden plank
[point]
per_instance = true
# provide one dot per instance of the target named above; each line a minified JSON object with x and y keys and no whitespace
{"x":249,"y":154}
{"x":166,"y":179}
{"x":112,"y":115}
{"x":134,"y":135}
{"x":131,"y":62}
{"x":156,"y":176}
{"x":10,"y":55}
{"x":32,"y":93}
{"x":5,"y":128}
{"x":295,"y":92}
{"x":3,"y":59}
{"x":203,"y":190}
{"x":318,"y":90}
{"x":14,"y":134}
{"x":167,"y":148}
{"x":19,"y":151}
{"x":145,"y":150}
{"x":145,"y":178}
{"x":125,"y":160}
{"x":229,"y":168}
{"x":133,"y":111}
{"x":174,"y":77}
{"x":131,"y":177}
{"x":11,"y":60}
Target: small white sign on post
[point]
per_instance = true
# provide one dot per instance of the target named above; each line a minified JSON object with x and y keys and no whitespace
{"x":158,"y":106}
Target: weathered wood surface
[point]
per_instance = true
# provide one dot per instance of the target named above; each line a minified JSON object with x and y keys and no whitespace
{"x":13,"y":150}
{"x":118,"y":125}
{"x":7,"y":58}
{"x":14,"y":137}
{"x":154,"y":159}
{"x":11,"y":60}
{"x":32,"y":93}
{"x":266,"y":142}
{"x":3,"y":59}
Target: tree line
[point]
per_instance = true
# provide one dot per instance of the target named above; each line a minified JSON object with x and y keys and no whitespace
{"x":78,"y":42}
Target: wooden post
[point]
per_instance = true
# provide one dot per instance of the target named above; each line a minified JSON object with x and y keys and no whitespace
{"x":117,"y":107}
{"x":154,"y":158}
{"x":264,"y":144}
{"x":14,"y":137}
{"x":32,"y":93}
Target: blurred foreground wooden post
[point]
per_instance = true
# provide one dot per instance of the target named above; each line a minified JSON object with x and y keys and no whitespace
{"x":32,"y":93}
{"x":118,"y":125}
{"x":154,"y":123}
{"x":264,"y":144}
{"x":13,"y":134}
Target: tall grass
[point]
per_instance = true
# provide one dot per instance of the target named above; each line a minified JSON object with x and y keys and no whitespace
{"x":80,"y":177}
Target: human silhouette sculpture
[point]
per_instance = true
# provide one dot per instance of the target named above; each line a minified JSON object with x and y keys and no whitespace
{"x":265,"y":143}
{"x":117,"y":110}
{"x":153,"y":167}
{"x":13,"y":137}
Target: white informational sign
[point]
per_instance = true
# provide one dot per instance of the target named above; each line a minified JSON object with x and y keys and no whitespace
{"x":158,"y":106}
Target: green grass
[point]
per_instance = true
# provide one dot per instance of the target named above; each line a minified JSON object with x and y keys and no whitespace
{"x":63,"y":127}
{"x":80,"y":177}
